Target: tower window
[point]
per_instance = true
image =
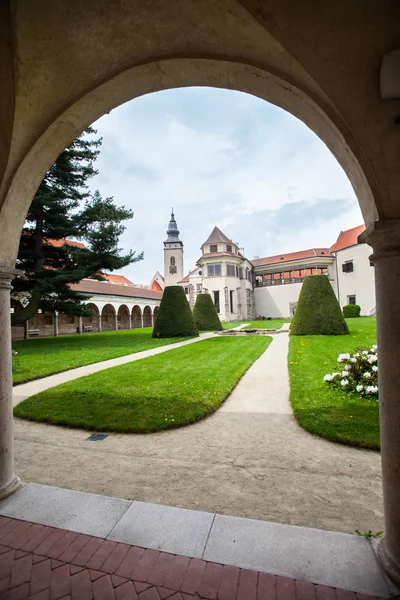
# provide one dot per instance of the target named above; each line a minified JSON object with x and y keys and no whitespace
{"x":231,"y":270}
{"x":172,"y":261}
{"x":213,"y":248}
{"x":214,"y":270}
{"x":229,"y":248}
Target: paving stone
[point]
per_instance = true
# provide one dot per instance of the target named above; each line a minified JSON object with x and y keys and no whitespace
{"x":117,"y":581}
{"x":126,"y":592}
{"x":73,"y":549}
{"x":60,"y":582}
{"x":40,"y":578}
{"x":177,"y":572}
{"x":266,"y":587}
{"x":285,"y":589}
{"x":145,"y":565}
{"x":193,"y":576}
{"x":81,"y":586}
{"x":94,"y":575}
{"x":247,"y":585}
{"x":325,"y":557}
{"x":150,"y":594}
{"x":229,"y":583}
{"x":103,"y":589}
{"x":83,"y":557}
{"x":164,"y":593}
{"x":166,"y":528}
{"x":19,"y":593}
{"x":56,"y":507}
{"x":26,"y":536}
{"x":325,"y":593}
{"x":50,"y":541}
{"x":42,"y":533}
{"x":305,"y":590}
{"x":4,"y":584}
{"x":130,"y":561}
{"x":43,"y":595}
{"x":37,"y":559}
{"x":6,"y":564}
{"x":111,"y":564}
{"x":209,"y":584}
{"x":101,"y":554}
{"x":160,"y":569}
{"x":141,"y":587}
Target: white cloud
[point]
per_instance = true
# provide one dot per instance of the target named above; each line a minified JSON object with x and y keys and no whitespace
{"x":220,"y":158}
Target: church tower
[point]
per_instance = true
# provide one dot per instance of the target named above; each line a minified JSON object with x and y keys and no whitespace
{"x":173,"y":254}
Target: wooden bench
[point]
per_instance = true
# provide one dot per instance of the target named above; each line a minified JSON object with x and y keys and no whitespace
{"x":88,"y":328}
{"x":33,"y":332}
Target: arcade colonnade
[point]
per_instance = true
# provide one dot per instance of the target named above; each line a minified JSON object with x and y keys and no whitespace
{"x":331,"y":64}
{"x":108,"y":315}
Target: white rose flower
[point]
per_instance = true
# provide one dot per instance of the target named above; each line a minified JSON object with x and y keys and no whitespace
{"x":359,"y":388}
{"x":347,"y":367}
{"x":344,"y":382}
{"x":344,"y":373}
{"x":328,"y":377}
{"x":353,"y":360}
{"x":367,"y":375}
{"x":374,"y":368}
{"x":357,"y":354}
{"x":372,"y":389}
{"x":343,"y":357}
{"x":365,"y":352}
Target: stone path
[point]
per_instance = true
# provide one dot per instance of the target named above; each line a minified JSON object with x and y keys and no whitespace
{"x":45,"y":563}
{"x":250,"y":459}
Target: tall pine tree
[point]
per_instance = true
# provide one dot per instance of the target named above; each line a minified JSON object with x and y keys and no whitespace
{"x":63,"y":209}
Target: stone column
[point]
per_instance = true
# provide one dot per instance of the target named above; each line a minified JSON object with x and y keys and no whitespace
{"x":9,"y":482}
{"x":130,"y":321}
{"x":99,"y":318}
{"x":55,"y":323}
{"x":26,"y":330}
{"x":384,"y":237}
{"x":141,"y":321}
{"x":116,"y":322}
{"x":80,"y":324}
{"x":152,"y":320}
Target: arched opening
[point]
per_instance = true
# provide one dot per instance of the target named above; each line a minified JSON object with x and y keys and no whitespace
{"x":108,"y":321}
{"x":147,"y":317}
{"x":136,"y":317}
{"x":17,"y":331}
{"x":67,"y":324}
{"x":123,"y":317}
{"x":172,"y":261}
{"x":155,"y":314}
{"x":91,"y":322}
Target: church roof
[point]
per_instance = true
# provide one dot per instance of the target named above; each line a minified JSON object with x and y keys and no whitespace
{"x":347,"y":238}
{"x":173,"y":231}
{"x":155,"y":286}
{"x":118,"y":279}
{"x":217,"y":236}
{"x":186,"y":279}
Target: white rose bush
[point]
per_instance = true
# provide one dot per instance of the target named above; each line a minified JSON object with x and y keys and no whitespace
{"x":357,"y":373}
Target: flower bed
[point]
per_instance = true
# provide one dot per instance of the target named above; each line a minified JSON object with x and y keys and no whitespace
{"x":357,"y":372}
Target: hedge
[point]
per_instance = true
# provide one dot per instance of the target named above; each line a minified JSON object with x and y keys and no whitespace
{"x":175,"y":317}
{"x":205,"y":314}
{"x":351,"y":310}
{"x":318,"y":311}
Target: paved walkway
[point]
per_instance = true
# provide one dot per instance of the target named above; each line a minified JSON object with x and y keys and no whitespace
{"x":45,"y":563}
{"x":250,"y":459}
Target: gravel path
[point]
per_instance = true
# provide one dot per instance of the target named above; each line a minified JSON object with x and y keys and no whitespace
{"x":249,"y":459}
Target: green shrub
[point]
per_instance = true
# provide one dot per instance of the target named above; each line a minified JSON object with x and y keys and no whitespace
{"x":351,"y":310}
{"x":318,"y":311}
{"x":205,"y":314}
{"x":175,"y":317}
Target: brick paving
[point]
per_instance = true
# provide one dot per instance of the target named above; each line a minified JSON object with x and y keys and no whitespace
{"x":44,"y":563}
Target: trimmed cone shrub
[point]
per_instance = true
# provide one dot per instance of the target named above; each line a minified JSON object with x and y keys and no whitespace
{"x":351,"y":310}
{"x":175,"y":317}
{"x":205,"y":314}
{"x":318,"y":311}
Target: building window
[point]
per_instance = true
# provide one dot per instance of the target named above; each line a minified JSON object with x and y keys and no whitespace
{"x":172,"y":261}
{"x":214,"y":270}
{"x":198,"y":288}
{"x":216,"y":301}
{"x":237,"y":271}
{"x":351,"y":300}
{"x":173,"y":269}
{"x":213,"y":248}
{"x":231,"y":300}
{"x":348,"y":267}
{"x":186,"y":290}
{"x":231,"y":270}
{"x":229,"y":248}
{"x":241,"y":273}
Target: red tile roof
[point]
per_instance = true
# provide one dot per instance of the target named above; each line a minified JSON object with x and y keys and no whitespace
{"x":59,"y":243}
{"x":155,"y":286}
{"x":92,"y":286}
{"x":186,"y":278}
{"x":281,"y":258}
{"x":347,"y":238}
{"x":118,"y":279}
{"x":217,"y":236}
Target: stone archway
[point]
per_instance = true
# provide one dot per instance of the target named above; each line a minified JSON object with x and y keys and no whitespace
{"x":108,"y":318}
{"x":155,"y":314}
{"x":91,"y":322}
{"x":136,"y":317}
{"x":147,"y":317}
{"x":123,"y":317}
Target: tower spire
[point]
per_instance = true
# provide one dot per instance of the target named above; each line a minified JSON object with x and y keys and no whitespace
{"x":173,"y":231}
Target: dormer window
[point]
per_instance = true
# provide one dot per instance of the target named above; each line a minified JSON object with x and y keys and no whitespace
{"x":229,"y":248}
{"x":214,"y":248}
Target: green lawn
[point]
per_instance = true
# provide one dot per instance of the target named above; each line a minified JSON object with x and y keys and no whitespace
{"x":258,"y":324}
{"x":45,"y":356}
{"x":324,"y":410}
{"x":161,"y":392}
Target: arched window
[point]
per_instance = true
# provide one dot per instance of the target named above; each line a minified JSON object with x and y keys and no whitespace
{"x":172,"y":261}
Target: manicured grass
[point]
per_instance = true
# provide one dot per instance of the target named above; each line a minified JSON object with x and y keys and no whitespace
{"x":324,"y":410}
{"x":258,"y":324}
{"x":161,"y":392}
{"x":45,"y":356}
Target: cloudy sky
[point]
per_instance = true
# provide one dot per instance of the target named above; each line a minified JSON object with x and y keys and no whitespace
{"x":219,"y":158}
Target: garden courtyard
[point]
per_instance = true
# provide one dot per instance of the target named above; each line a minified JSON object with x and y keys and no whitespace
{"x":248,"y":457}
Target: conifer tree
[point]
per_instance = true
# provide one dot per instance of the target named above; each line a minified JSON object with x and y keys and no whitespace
{"x":63,"y":209}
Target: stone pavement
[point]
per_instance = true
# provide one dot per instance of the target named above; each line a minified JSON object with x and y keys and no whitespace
{"x":45,"y":563}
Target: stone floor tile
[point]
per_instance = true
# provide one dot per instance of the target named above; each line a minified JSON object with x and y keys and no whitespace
{"x":177,"y":572}
{"x":247,"y":585}
{"x":126,"y":592}
{"x":46,"y":545}
{"x":73,"y":549}
{"x":285,"y":589}
{"x":81,"y":586}
{"x":101,"y":554}
{"x":145,"y":565}
{"x":129,"y":562}
{"x":63,"y":543}
{"x":4,"y":584}
{"x":160,"y":569}
{"x":83,"y":557}
{"x":193,"y":576}
{"x":229,"y":583}
{"x":111,"y":564}
{"x":43,"y":595}
{"x":103,"y":589}
{"x":209,"y":584}
{"x":60,"y":582}
{"x":19,"y":593}
{"x":325,"y":593}
{"x":56,"y":507}
{"x":266,"y":587}
{"x":42,"y":533}
{"x":40,"y":577}
{"x":305,"y":590}
{"x":6,"y":564}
